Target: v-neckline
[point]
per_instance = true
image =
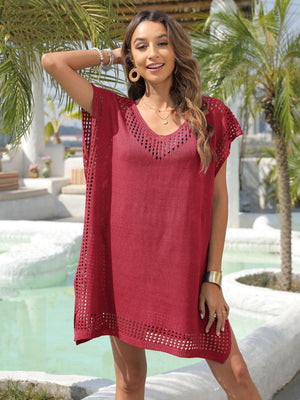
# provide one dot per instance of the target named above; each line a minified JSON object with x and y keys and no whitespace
{"x":144,"y":123}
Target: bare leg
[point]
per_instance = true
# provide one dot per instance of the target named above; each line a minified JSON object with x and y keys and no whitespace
{"x":130,"y":368}
{"x":233,"y":375}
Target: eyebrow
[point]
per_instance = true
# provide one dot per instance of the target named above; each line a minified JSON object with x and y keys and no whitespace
{"x":164,"y":35}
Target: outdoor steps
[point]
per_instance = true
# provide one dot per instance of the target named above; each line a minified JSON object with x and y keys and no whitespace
{"x":26,"y":203}
{"x":21,"y":193}
{"x":73,"y":189}
{"x":71,"y":201}
{"x":35,"y":199}
{"x":43,"y":198}
{"x":52,"y":184}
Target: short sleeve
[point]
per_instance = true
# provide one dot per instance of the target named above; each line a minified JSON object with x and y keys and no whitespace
{"x":226,"y":129}
{"x":91,"y":123}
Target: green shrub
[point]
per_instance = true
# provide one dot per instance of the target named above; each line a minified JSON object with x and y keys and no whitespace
{"x":13,"y":391}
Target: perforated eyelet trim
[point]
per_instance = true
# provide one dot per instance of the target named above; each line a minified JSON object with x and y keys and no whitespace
{"x":230,"y":129}
{"x":159,"y":337}
{"x":90,"y":159}
{"x":159,"y":146}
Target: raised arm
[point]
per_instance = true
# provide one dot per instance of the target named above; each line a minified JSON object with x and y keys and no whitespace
{"x":63,"y":66}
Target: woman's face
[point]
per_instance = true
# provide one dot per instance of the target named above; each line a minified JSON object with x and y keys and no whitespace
{"x":152,"y":52}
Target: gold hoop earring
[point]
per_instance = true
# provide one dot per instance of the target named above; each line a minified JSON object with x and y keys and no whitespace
{"x":134,"y":76}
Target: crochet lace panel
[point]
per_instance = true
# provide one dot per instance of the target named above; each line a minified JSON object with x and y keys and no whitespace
{"x":225,"y":121}
{"x":160,"y":146}
{"x":88,"y":262}
{"x":158,"y":336}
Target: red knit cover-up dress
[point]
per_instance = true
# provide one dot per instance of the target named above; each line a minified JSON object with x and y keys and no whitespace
{"x":146,"y":230}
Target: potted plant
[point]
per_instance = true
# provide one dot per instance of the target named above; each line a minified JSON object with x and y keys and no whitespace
{"x":33,"y":171}
{"x":46,"y":170}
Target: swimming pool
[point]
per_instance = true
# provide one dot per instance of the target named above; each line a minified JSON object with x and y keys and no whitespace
{"x":36,"y":328}
{"x":37,"y":334}
{"x":36,"y":324}
{"x":35,"y":254}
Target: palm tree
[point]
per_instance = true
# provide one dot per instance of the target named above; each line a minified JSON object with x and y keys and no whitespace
{"x":55,"y":121}
{"x":261,"y":57}
{"x":30,"y":28}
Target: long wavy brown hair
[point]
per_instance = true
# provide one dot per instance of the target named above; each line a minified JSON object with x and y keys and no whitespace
{"x":186,"y":86}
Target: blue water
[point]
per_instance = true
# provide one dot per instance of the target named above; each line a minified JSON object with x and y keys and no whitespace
{"x":37,"y":334}
{"x":37,"y":330}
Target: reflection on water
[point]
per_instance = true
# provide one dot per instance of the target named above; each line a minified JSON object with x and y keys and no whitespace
{"x":37,"y":330}
{"x":235,"y":260}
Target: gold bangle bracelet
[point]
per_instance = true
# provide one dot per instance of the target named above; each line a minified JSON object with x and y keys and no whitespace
{"x":213,"y":277}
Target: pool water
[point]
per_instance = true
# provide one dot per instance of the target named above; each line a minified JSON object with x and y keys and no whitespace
{"x":37,"y":334}
{"x":37,"y":330}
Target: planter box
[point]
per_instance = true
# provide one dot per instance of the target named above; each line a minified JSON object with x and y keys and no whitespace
{"x":77,"y":176}
{"x":9,"y":180}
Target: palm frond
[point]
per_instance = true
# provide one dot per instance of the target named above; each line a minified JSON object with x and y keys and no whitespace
{"x":50,"y":104}
{"x":30,"y":28}
{"x":291,"y":51}
{"x":283,"y":104}
{"x":271,"y":179}
{"x":16,"y":95}
{"x":259,"y":54}
{"x":38,"y":23}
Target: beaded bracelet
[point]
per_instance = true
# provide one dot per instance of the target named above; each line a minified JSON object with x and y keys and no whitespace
{"x":100,"y":66}
{"x":111,"y":59}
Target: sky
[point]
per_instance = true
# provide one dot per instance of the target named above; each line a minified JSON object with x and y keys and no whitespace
{"x":295,"y":10}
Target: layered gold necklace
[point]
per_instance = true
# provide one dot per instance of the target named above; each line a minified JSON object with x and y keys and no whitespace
{"x":158,"y":112}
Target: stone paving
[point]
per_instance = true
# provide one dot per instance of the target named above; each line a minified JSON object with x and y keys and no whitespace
{"x":291,"y":391}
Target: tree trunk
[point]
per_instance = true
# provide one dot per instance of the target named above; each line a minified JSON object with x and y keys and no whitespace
{"x":56,"y":138}
{"x":284,"y":193}
{"x":285,"y":207}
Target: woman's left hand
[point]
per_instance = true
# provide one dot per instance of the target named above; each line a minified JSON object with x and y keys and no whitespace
{"x":211,"y":295}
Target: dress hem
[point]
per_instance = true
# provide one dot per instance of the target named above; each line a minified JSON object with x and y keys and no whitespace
{"x":203,"y":354}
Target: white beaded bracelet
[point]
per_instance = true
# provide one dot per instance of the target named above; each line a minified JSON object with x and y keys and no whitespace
{"x":111,"y":59}
{"x":100,"y":66}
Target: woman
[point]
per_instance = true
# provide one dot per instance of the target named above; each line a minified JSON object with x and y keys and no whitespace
{"x":156,"y":207}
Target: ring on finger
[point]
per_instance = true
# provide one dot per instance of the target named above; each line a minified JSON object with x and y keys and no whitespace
{"x":224,"y":312}
{"x":212,"y":316}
